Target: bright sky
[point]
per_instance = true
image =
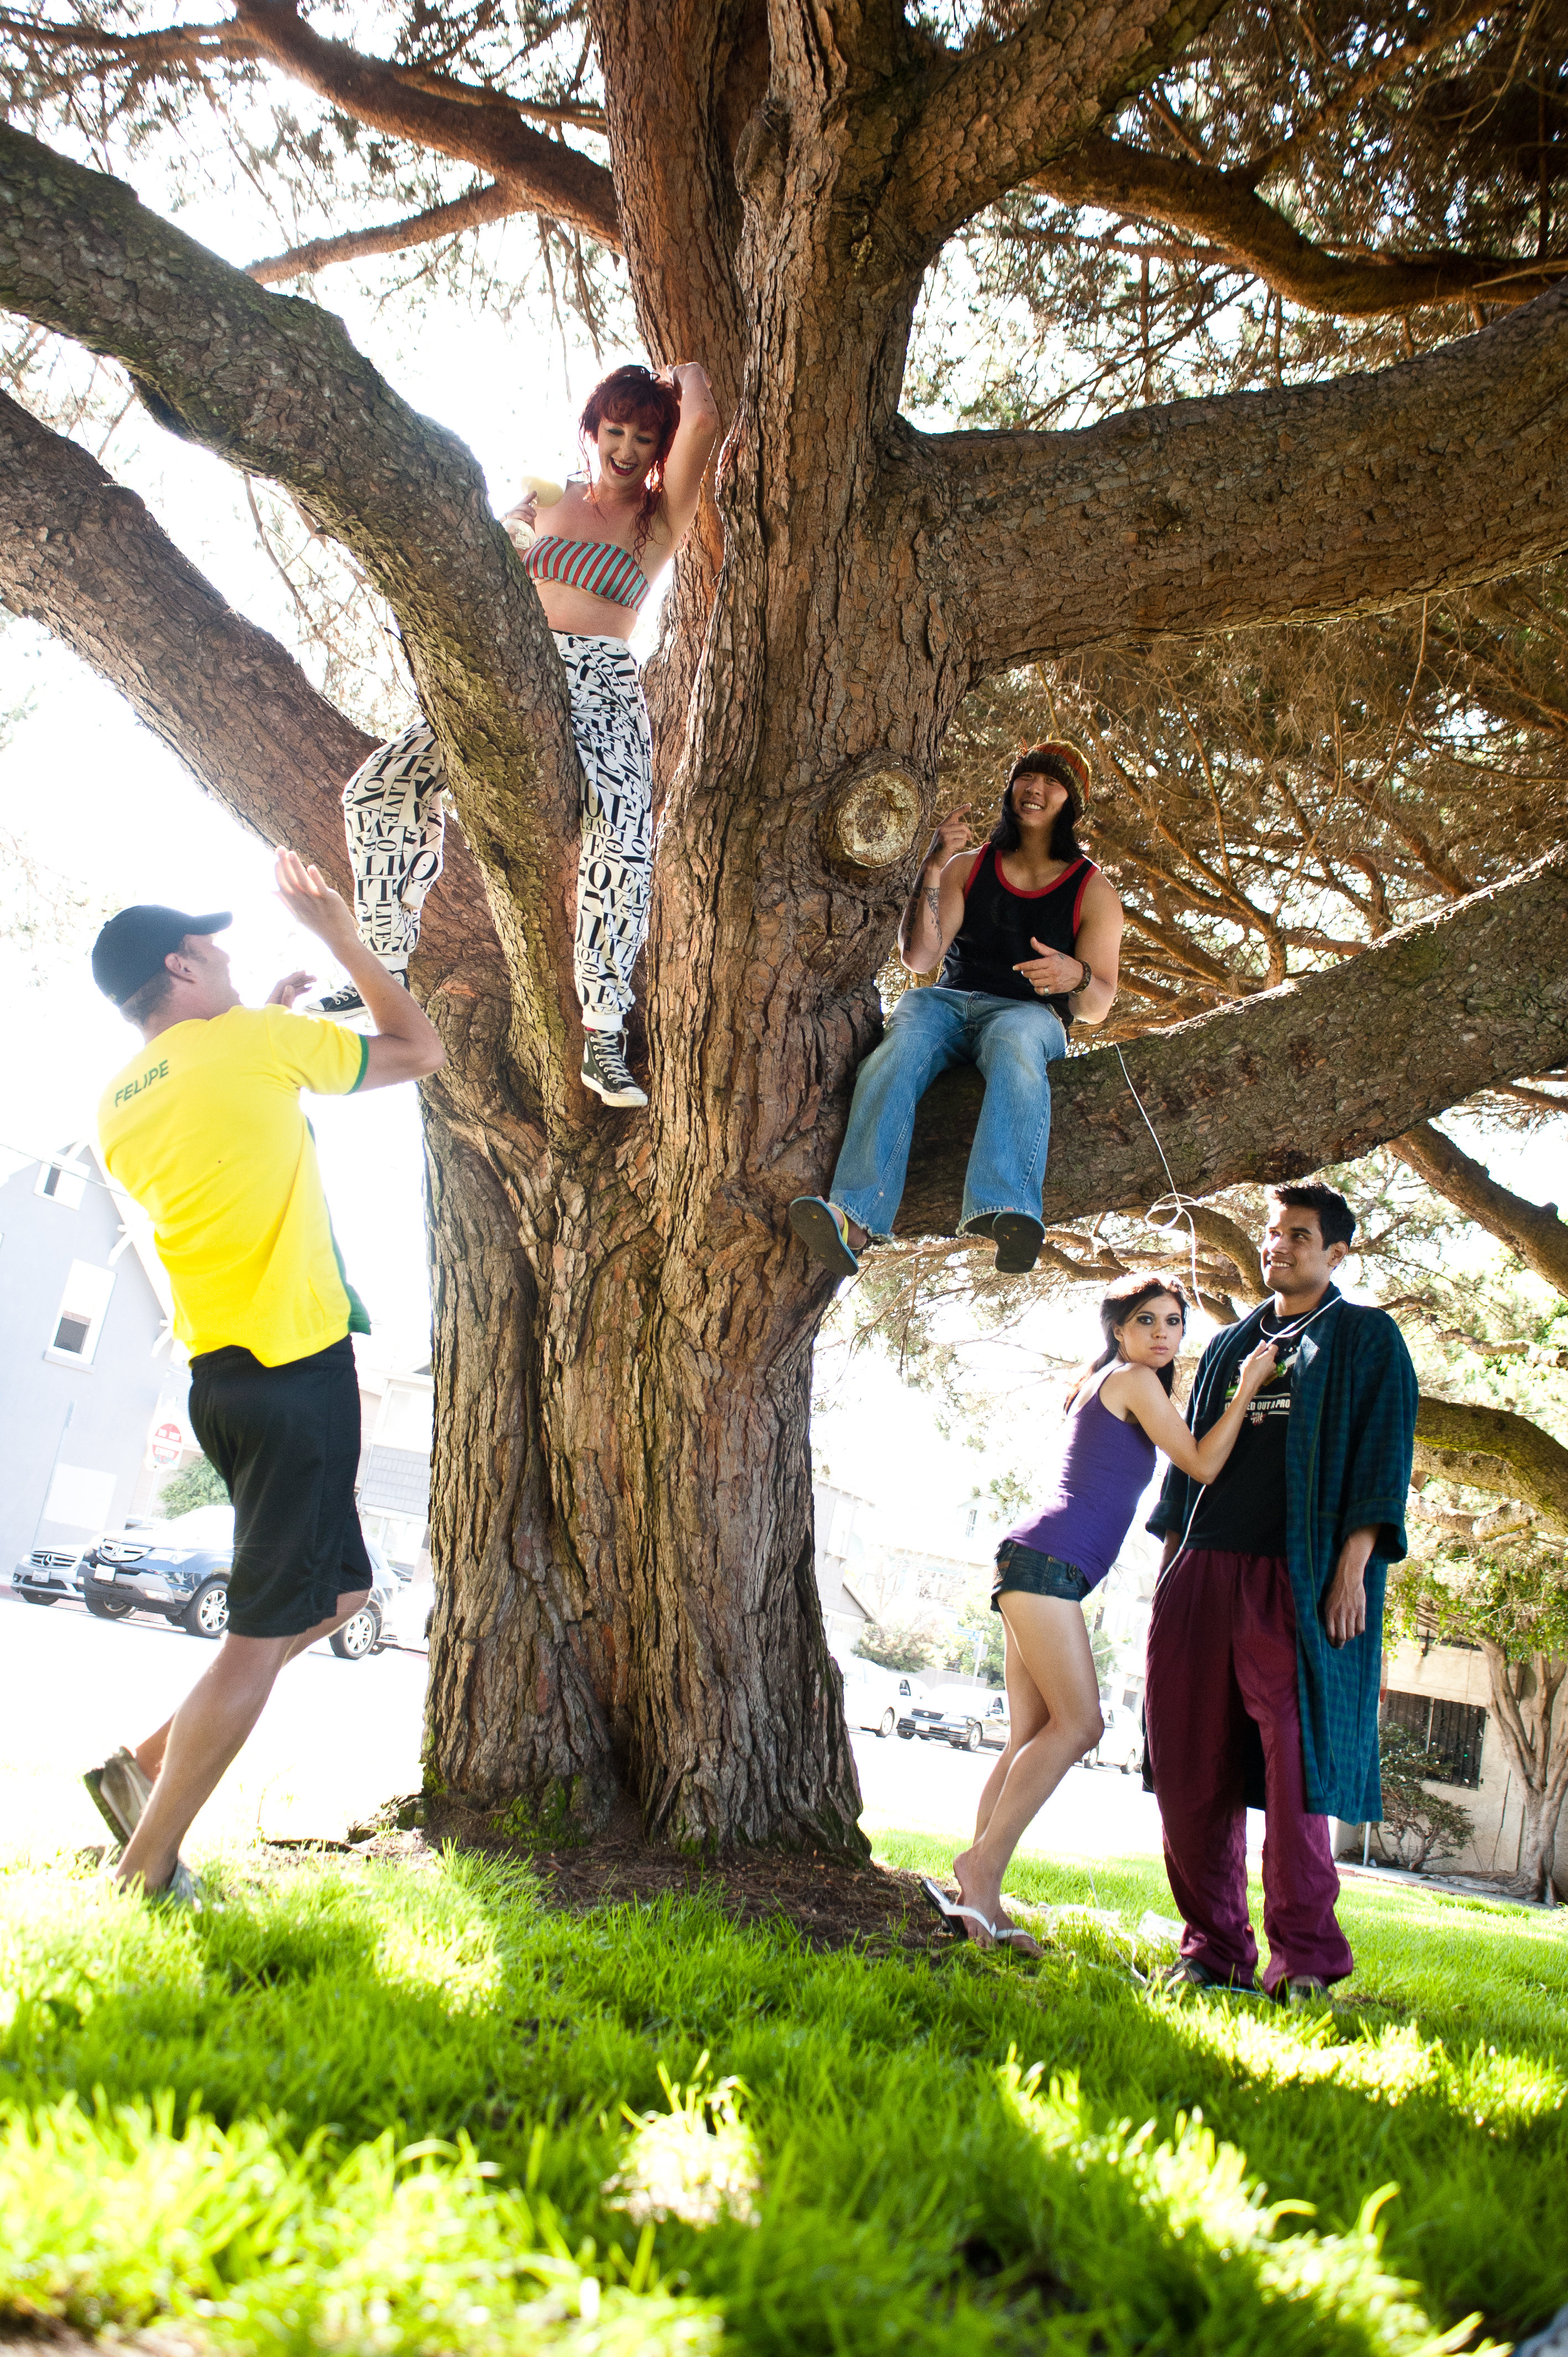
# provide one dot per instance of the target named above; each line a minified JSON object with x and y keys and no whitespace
{"x":92,"y":796}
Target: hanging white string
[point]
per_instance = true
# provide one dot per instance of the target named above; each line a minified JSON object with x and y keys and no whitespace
{"x":1175,"y":1195}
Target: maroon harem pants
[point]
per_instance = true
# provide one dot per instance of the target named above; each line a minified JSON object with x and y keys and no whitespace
{"x":1221,"y":1650}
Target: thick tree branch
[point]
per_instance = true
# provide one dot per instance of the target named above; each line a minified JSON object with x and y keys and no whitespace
{"x":1316,"y":1071}
{"x":1533,"y":1231}
{"x":995,"y":117}
{"x":431,"y":110}
{"x":1492,"y":1449}
{"x":1223,"y":209}
{"x":491,"y":204}
{"x":83,"y":556}
{"x":474,"y":128}
{"x":275,"y":387}
{"x":1342,"y":498}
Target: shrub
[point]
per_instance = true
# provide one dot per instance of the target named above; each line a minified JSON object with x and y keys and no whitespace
{"x":893,"y":1646}
{"x":200,"y":1484}
{"x":1419,"y":1828}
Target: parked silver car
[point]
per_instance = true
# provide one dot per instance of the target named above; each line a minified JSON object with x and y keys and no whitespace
{"x":47,"y":1575}
{"x":983,"y":1725}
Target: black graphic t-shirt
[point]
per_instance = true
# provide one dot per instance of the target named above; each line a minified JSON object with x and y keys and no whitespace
{"x":1243,"y":1512}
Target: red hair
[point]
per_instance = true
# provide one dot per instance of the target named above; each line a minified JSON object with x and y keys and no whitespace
{"x":633,"y":396}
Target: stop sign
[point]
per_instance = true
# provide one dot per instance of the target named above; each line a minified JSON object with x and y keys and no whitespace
{"x":168,"y":1445}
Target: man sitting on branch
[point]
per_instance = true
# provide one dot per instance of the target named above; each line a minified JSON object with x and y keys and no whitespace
{"x":1028,"y":936}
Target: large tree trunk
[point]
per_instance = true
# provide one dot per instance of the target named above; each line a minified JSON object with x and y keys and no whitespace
{"x":629,"y":1601}
{"x":1529,"y":1711}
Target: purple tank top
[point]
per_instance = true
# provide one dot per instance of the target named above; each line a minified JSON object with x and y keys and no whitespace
{"x":1101,"y":1473}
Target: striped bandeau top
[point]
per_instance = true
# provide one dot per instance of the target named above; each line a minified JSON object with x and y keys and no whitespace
{"x":596,"y":565}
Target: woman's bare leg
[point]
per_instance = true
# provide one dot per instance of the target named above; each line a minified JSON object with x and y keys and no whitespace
{"x":1051,"y":1664}
{"x":1026,"y":1715}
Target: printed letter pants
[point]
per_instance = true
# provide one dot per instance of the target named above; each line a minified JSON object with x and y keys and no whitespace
{"x":391,"y":809}
{"x":615,"y":871}
{"x":392,"y":817}
{"x":1222,"y":1650}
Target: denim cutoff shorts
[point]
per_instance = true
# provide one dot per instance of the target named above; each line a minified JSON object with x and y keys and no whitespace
{"x":1028,"y":1572}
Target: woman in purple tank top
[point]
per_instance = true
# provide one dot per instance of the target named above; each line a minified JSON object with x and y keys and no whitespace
{"x":1118,"y":1414}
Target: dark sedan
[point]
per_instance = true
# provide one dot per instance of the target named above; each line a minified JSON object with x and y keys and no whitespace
{"x":180,"y":1570}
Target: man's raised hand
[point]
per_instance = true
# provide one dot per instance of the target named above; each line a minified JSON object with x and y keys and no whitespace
{"x":954,"y":834}
{"x":291,"y":986}
{"x":311,"y":901}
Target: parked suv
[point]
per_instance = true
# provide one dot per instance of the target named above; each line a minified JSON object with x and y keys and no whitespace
{"x":180,"y":1569}
{"x":47,"y":1575}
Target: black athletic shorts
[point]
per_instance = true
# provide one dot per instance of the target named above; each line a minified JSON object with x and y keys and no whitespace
{"x":287,"y":1441}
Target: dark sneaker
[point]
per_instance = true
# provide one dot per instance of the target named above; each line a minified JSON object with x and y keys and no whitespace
{"x":1018,"y":1241}
{"x":825,"y":1230}
{"x":339,"y":1005}
{"x":606,"y":1070}
{"x":1187,"y":1973}
{"x":120,"y":1793}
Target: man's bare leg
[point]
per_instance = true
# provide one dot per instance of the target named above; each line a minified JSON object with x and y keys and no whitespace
{"x":205,"y":1733}
{"x":148,"y":1754}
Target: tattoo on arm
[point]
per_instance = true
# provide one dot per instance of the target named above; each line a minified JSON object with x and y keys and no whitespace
{"x":934,"y":903}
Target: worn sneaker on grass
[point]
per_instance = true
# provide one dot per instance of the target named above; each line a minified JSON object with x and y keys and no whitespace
{"x":824,"y":1229}
{"x":1187,"y":1973}
{"x":183,"y":1888}
{"x":606,"y":1070}
{"x":120,"y":1793}
{"x":1304,"y":1993}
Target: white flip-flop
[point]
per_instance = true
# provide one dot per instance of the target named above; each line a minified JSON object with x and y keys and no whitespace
{"x":956,"y":1918}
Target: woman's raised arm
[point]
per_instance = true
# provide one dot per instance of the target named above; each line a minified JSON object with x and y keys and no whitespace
{"x":1140,"y":1391}
{"x":692,"y":445}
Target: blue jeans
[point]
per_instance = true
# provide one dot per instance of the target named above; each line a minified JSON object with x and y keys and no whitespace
{"x":1015,"y":1042}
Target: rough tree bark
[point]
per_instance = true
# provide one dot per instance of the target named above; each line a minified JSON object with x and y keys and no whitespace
{"x":1529,"y":1710}
{"x":622,"y":1504}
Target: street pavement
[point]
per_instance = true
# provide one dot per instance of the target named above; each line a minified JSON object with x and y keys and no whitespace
{"x":340,"y":1738}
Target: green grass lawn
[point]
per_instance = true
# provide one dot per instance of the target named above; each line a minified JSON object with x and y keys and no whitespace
{"x":365,"y":2107}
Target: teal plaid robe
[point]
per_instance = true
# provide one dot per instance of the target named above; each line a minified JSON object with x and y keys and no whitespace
{"x":1347,"y":1459}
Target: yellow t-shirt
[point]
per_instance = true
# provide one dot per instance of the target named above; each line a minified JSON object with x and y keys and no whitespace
{"x":205,"y":1128}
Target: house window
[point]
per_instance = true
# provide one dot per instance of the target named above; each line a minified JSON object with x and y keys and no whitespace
{"x":1453,"y":1730}
{"x":62,"y":1182}
{"x":405,"y":1421}
{"x":78,"y":1320}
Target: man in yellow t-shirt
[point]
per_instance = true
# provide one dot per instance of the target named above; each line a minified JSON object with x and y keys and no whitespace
{"x":205,"y":1128}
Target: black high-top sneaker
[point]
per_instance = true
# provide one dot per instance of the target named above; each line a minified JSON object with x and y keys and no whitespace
{"x":338,"y":1005}
{"x":605,"y":1070}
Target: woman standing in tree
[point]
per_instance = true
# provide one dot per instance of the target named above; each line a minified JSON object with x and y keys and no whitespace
{"x":1118,"y":1414}
{"x":646,"y":441}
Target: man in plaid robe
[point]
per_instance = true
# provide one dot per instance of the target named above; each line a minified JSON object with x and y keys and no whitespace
{"x":1266,"y":1633}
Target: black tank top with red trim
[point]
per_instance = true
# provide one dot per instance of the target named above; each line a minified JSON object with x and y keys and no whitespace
{"x":998,"y":923}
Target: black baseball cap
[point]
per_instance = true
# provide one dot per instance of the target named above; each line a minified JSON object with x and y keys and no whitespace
{"x":133,"y":945}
